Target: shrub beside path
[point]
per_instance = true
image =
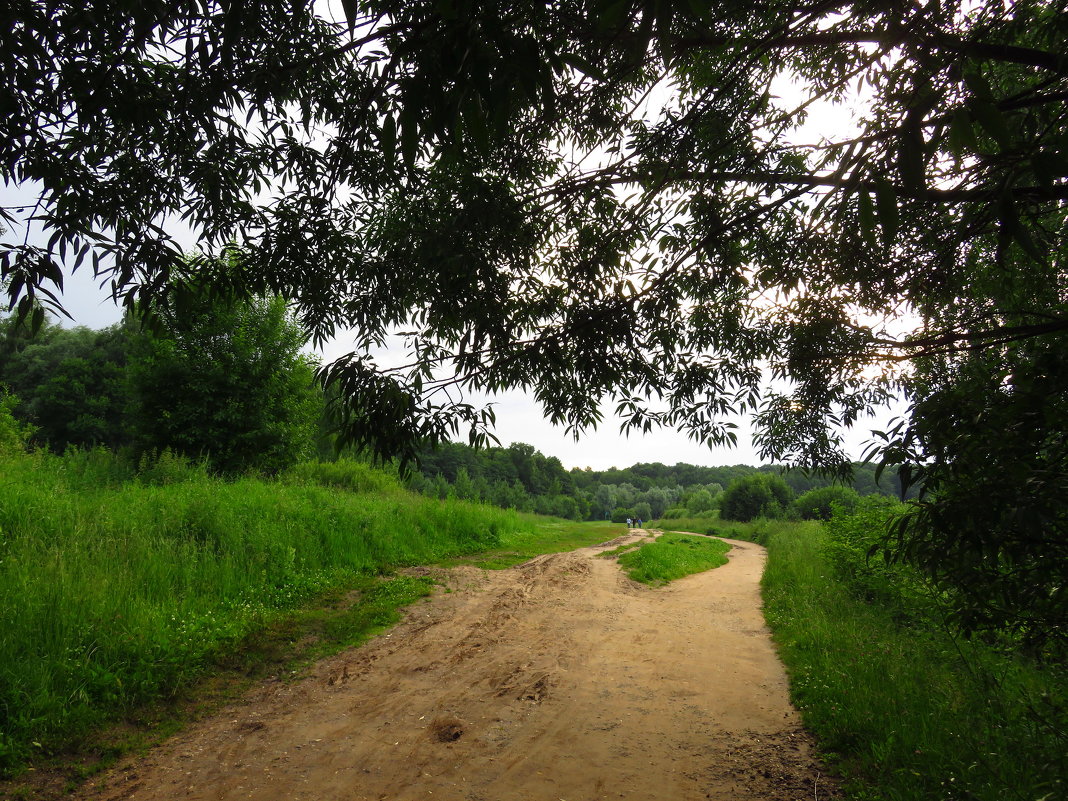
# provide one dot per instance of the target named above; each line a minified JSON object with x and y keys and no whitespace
{"x":557,"y":679}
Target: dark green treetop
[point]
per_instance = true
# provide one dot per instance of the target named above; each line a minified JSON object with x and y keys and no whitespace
{"x":227,"y":382}
{"x":70,"y":383}
{"x":755,"y":495}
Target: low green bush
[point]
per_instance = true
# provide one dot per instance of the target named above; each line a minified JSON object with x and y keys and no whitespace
{"x":853,"y":548}
{"x":821,"y":503}
{"x":13,"y":435}
{"x":754,"y":496}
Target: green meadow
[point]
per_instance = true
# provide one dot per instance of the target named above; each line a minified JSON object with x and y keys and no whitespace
{"x":121,"y":584}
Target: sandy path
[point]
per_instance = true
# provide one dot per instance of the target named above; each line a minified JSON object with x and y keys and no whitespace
{"x":557,"y":679}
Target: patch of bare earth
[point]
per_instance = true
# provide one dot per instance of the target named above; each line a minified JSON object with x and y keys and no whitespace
{"x":556,"y":679}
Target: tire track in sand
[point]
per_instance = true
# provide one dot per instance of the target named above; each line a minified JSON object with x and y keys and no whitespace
{"x":556,"y":679}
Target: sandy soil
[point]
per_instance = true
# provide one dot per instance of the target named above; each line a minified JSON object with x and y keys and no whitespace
{"x":558,"y":680}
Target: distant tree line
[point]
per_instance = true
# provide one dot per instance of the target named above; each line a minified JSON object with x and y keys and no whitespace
{"x":521,"y":477}
{"x":516,"y":477}
{"x":227,"y":382}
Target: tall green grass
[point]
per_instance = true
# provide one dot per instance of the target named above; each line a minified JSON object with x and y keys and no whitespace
{"x":905,"y":709}
{"x":118,"y":583}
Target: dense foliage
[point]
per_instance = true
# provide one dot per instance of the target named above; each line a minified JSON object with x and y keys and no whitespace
{"x":13,"y":434}
{"x":820,"y":504}
{"x":904,"y":708}
{"x":899,"y":589}
{"x":70,"y":382}
{"x":602,"y":201}
{"x":989,"y":449}
{"x":219,"y":380}
{"x":516,"y":477}
{"x":227,"y":382}
{"x":758,"y":495}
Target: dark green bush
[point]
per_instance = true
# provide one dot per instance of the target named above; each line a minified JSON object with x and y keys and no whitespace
{"x":853,"y":548}
{"x":819,"y":504}
{"x":755,"y":495}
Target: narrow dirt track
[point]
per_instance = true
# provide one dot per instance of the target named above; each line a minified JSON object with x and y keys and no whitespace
{"x":556,"y":680}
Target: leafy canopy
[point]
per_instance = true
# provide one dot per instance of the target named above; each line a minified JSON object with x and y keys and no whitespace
{"x":70,"y":383}
{"x":821,"y":503}
{"x":491,"y":181}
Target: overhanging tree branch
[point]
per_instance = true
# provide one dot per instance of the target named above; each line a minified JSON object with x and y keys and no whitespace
{"x":895,"y":37}
{"x":989,"y":336}
{"x":1054,"y":192}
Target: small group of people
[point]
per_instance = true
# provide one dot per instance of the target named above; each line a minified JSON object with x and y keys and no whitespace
{"x":634,"y":522}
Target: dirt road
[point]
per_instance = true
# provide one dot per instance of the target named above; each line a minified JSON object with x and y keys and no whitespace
{"x":558,"y":680}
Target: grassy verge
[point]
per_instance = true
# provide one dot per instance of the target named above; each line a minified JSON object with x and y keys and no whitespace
{"x":279,"y":650}
{"x":135,"y":598}
{"x":904,"y":709}
{"x":672,"y":556}
{"x":119,"y":590}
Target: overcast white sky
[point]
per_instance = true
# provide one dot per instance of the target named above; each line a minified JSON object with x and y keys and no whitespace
{"x":519,"y":419}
